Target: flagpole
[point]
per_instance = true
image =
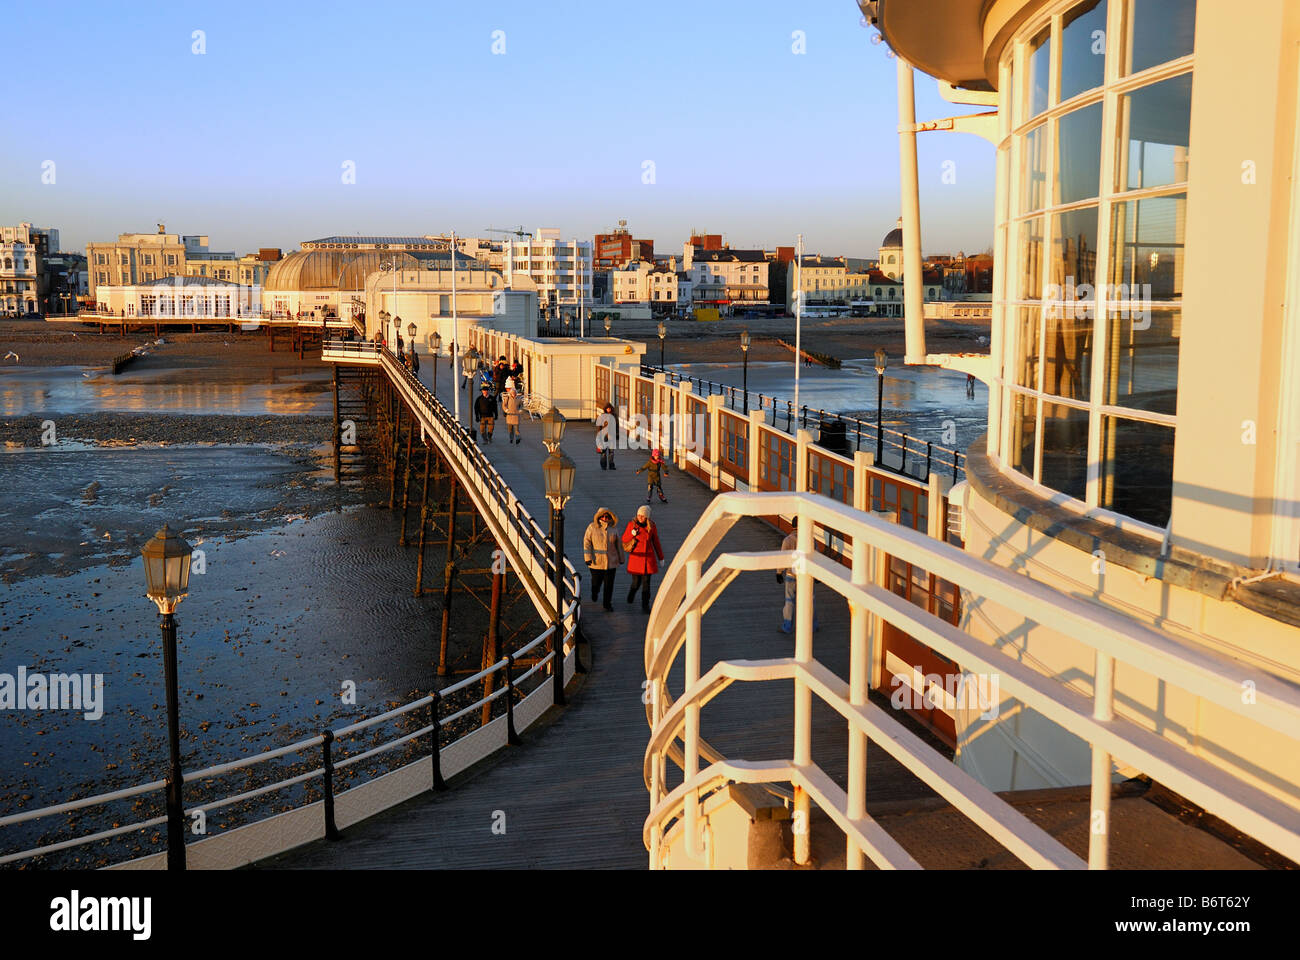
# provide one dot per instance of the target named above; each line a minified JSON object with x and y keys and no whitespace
{"x":798,"y":317}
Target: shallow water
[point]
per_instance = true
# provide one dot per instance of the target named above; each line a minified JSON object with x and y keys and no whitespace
{"x":289,"y":389}
{"x":920,"y":400}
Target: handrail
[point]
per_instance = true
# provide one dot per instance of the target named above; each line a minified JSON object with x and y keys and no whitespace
{"x":1113,"y":636}
{"x":925,"y":454}
{"x":516,"y":519}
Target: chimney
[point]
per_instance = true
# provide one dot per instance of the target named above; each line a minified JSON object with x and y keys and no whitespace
{"x":162,"y":228}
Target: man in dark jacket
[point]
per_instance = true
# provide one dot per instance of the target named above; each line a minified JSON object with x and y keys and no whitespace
{"x":485,"y":412}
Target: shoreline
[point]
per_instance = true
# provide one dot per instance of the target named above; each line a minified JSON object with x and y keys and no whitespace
{"x":154,"y":430}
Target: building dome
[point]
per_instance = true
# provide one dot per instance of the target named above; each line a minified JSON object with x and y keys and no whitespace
{"x":894,"y":238}
{"x":325,"y":269}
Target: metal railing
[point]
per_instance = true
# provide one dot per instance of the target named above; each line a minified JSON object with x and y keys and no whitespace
{"x":688,"y":589}
{"x":521,"y":530}
{"x":900,"y":451}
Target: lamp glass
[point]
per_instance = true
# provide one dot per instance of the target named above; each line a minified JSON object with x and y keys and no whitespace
{"x":882,"y":360}
{"x":663,"y":330}
{"x":166,"y":568}
{"x":559,"y":472}
{"x":410,"y":330}
{"x":744,"y":340}
{"x":552,"y":427}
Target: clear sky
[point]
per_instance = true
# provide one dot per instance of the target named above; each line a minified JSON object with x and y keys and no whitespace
{"x":247,"y":141}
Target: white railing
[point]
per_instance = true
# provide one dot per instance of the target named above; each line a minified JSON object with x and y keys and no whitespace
{"x":532,"y":556}
{"x":688,"y":590}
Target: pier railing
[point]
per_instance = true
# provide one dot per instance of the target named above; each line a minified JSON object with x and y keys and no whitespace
{"x":526,"y":695}
{"x":896,"y":450}
{"x":675,"y":832}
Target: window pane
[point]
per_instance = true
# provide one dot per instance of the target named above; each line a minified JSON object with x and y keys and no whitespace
{"x":1083,"y":48}
{"x":1065,"y":449}
{"x":1067,"y":352}
{"x":1078,"y":154}
{"x":1074,"y":254}
{"x":1033,"y":169}
{"x":1030,"y":233}
{"x":1152,"y":144}
{"x":1160,"y":31}
{"x":1143,"y":369}
{"x":1137,"y":469}
{"x":1038,"y":54}
{"x":1026,"y":369}
{"x":1020,"y":452}
{"x":1147,"y":249}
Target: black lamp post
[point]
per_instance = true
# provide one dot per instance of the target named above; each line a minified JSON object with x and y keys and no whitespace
{"x":882,"y":361}
{"x":744,"y":349}
{"x":167,"y":572}
{"x":558,"y":471}
{"x":436,"y":342}
{"x":663,"y":332}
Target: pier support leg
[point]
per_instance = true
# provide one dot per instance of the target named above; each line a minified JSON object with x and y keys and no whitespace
{"x":406,"y":477}
{"x":395,"y":453}
{"x":424,"y":523}
{"x":337,"y":425}
{"x":449,"y":578}
{"x":490,"y":651}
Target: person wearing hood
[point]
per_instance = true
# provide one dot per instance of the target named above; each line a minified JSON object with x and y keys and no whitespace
{"x":510,"y":406}
{"x":607,"y":436}
{"x":644,"y":554}
{"x":603,"y":552}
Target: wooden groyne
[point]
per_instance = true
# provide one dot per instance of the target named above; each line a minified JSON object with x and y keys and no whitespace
{"x":825,"y":359}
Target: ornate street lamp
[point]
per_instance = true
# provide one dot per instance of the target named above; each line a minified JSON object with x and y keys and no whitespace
{"x":553,"y":428}
{"x":744,"y":349}
{"x":882,"y":361}
{"x":436,"y":342}
{"x":410,"y":330}
{"x":469,"y":364}
{"x":167,"y":574}
{"x":609,"y":323}
{"x":558,"y":471}
{"x":663,"y":332}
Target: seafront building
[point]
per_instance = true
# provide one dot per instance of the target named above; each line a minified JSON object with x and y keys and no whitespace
{"x":559,"y":269}
{"x":142,"y":257}
{"x":24,"y":280}
{"x":1144,"y":416}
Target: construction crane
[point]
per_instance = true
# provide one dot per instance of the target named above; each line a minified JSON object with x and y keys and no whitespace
{"x":518,"y":231}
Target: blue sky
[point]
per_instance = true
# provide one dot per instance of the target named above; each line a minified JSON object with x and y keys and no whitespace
{"x":247,"y":141}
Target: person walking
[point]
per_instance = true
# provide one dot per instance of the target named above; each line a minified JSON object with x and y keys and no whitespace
{"x":655,"y":470}
{"x":510,"y":406}
{"x":644,"y":554}
{"x":485,"y":412}
{"x":602,"y":549}
{"x":607,"y":436}
{"x":499,"y":375}
{"x":787,"y":578}
{"x":415,"y":363}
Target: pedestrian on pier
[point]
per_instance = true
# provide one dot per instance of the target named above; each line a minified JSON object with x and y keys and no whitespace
{"x":415,"y":362}
{"x":787,"y":578}
{"x":510,"y":406}
{"x":603,"y":551}
{"x":485,"y":412}
{"x":607,"y":436}
{"x":655,"y":469}
{"x":644,"y":554}
{"x":500,"y":374}
{"x":517,"y":374}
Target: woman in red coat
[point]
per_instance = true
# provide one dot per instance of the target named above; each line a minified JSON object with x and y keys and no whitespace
{"x":641,"y":540}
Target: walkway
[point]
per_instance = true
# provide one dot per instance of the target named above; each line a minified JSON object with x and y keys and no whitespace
{"x":573,"y":794}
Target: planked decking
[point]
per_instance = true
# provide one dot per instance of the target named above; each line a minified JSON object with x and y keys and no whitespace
{"x":572,"y":795}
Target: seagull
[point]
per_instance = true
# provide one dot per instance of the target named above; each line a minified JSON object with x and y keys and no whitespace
{"x":11,"y":354}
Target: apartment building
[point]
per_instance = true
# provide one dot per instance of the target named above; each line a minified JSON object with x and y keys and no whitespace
{"x":24,"y":284}
{"x":142,"y":257}
{"x":561,"y":269}
{"x":724,"y":276}
{"x":619,"y":248}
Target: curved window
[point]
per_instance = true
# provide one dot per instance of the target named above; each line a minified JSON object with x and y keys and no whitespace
{"x":1095,"y":176}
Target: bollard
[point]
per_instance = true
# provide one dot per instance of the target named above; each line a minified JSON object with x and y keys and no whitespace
{"x":331,"y":829}
{"x":436,"y":734}
{"x":903,"y":467}
{"x":512,"y":738}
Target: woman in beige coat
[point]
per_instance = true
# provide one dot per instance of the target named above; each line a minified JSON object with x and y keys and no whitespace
{"x":510,"y":406}
{"x":602,"y":549}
